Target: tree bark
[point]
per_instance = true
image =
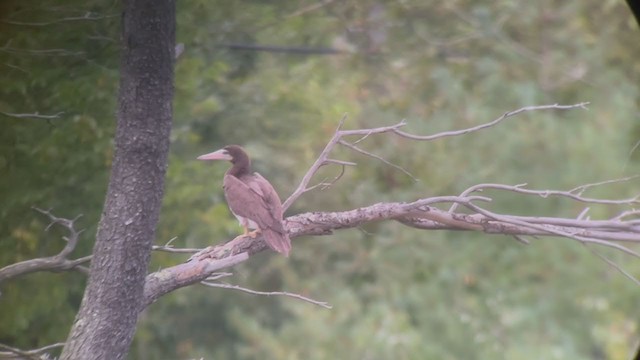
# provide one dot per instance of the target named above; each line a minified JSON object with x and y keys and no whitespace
{"x":106,"y":321}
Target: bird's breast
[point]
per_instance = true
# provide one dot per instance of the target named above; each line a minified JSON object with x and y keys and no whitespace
{"x":245,"y":221}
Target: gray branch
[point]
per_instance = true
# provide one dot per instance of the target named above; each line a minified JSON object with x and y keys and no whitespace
{"x":59,"y":262}
{"x":420,"y":214}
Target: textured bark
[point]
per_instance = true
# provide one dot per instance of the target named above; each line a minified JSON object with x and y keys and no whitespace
{"x":106,"y":321}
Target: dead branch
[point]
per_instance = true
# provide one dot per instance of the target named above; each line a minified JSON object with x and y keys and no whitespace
{"x":35,"y":115}
{"x":10,"y":352}
{"x":574,"y":194}
{"x":59,"y":262}
{"x":418,"y":214}
{"x":166,"y":280}
{"x":339,"y":135}
{"x":88,"y":16}
{"x":267,"y":293}
{"x":489,"y":124}
{"x":171,"y":249}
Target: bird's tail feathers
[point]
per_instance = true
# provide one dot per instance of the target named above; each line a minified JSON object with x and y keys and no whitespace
{"x":279,"y":242}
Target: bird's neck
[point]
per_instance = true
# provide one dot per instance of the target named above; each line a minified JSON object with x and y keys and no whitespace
{"x":240,"y":168}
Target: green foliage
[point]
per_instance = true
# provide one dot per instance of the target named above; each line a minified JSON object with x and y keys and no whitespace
{"x":397,"y":292}
{"x":67,"y":66}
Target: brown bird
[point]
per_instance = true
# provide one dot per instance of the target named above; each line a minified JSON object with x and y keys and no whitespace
{"x":252,"y":199}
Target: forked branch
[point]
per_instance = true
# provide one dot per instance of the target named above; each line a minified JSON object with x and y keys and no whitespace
{"x":58,"y":262}
{"x":340,"y":135}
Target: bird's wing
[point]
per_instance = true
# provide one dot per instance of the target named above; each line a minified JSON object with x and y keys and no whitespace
{"x":269,"y":194}
{"x":256,"y":200}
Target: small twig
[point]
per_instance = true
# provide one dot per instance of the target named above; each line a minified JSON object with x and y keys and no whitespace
{"x":267,"y":293}
{"x":11,"y":352}
{"x":364,"y":152}
{"x":521,"y":239}
{"x":16,"y":68}
{"x":324,"y":185}
{"x":551,"y":230}
{"x":489,"y":124}
{"x":308,"y":8}
{"x":168,"y":244}
{"x":35,"y":115}
{"x":87,"y":16}
{"x":171,"y":249}
{"x":583,"y":213}
{"x":626,"y":162}
{"x":340,"y":162}
{"x":546,"y":193}
{"x":217,"y":276}
{"x":614,"y":265}
{"x":582,"y":188}
{"x":41,"y":52}
{"x":625,"y":214}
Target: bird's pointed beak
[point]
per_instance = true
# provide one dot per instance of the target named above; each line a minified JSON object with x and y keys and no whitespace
{"x":216,"y":155}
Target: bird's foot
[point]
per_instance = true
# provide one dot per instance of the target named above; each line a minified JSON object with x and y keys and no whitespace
{"x":252,"y":234}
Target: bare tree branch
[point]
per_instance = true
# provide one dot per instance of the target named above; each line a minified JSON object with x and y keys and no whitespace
{"x":418,"y":214}
{"x":340,"y":134}
{"x":171,"y":249}
{"x":41,"y":52}
{"x":320,"y":161}
{"x":574,"y":194}
{"x":59,"y":262}
{"x":364,"y":152}
{"x":169,"y":279}
{"x":615,"y":266}
{"x":35,"y":115}
{"x":267,"y":293}
{"x":490,"y":124}
{"x":10,"y":352}
{"x":88,"y":16}
{"x":308,"y":8}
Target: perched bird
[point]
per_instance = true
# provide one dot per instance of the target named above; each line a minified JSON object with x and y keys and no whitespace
{"x":252,"y":199}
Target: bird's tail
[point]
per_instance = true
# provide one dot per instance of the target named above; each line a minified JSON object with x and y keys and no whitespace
{"x":278,"y":241}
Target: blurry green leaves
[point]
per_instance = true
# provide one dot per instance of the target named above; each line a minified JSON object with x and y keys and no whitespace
{"x":61,"y":163}
{"x":207,"y":107}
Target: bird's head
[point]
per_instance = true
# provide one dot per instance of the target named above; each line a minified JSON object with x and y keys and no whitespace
{"x":233,"y":153}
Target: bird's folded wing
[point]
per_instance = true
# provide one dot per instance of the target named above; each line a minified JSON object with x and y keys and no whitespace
{"x":269,"y":194}
{"x":256,"y":201}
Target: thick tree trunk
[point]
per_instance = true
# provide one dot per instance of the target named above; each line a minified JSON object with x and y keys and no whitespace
{"x":106,"y":322}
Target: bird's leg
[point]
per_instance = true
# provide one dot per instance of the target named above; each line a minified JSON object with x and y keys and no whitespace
{"x":246,"y":231}
{"x":253,"y":234}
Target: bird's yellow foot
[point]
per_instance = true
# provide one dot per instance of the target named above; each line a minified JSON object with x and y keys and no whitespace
{"x":252,"y":234}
